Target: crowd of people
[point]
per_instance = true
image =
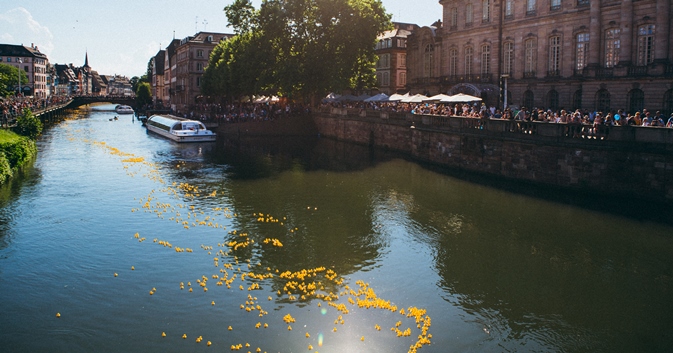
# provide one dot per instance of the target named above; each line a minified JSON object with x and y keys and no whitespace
{"x":12,"y":106}
{"x":238,"y":112}
{"x":481,"y":111}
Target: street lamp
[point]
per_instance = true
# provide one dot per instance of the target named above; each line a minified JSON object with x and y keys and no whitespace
{"x":504,"y":95}
{"x":18,"y":71}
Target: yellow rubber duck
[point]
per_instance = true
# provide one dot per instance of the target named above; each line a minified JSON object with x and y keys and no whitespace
{"x":58,"y":314}
{"x":163,"y":334}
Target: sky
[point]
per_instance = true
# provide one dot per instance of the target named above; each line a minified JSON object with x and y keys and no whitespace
{"x":120,"y":36}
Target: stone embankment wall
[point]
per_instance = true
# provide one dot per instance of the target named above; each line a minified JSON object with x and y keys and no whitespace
{"x":622,"y":160}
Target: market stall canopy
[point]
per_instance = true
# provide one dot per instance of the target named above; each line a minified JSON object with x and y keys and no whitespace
{"x":397,"y":97}
{"x":332,"y":97}
{"x":381,"y":97}
{"x":416,"y":98}
{"x":461,"y":98}
{"x":436,"y":98}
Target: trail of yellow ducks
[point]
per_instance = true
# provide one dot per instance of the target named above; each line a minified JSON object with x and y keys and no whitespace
{"x":298,"y":286}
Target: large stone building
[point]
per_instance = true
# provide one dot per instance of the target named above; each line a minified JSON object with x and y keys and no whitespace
{"x":33,"y":63}
{"x":590,"y":54}
{"x":184,"y":64}
{"x":391,"y":48}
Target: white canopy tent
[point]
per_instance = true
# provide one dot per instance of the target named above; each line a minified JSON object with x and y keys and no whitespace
{"x":397,"y":97}
{"x":381,"y":97}
{"x":461,"y":98}
{"x":436,"y":98}
{"x":416,"y":98}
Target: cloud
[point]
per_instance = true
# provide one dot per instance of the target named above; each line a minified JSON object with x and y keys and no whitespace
{"x":21,"y":28}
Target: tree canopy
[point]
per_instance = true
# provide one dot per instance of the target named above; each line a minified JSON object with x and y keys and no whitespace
{"x":300,"y":49}
{"x":9,"y":78}
{"x":143,"y":94}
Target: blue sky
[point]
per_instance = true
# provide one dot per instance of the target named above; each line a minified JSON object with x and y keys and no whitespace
{"x":120,"y":36}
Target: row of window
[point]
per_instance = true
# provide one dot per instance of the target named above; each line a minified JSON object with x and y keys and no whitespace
{"x":383,"y":79}
{"x":635,"y":98}
{"x":487,"y":10}
{"x":388,"y":43}
{"x":384,"y":61}
{"x":9,"y":59}
{"x":611,"y":54}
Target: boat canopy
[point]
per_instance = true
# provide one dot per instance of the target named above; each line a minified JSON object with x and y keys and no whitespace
{"x":164,"y":122}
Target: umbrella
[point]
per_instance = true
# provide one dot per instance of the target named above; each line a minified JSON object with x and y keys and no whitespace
{"x":416,"y":98}
{"x":381,"y":97}
{"x":397,"y":97}
{"x":437,"y":97}
{"x":460,"y":98}
{"x":362,"y":97}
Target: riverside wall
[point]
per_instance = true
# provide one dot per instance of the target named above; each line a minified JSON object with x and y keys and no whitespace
{"x":621,"y":161}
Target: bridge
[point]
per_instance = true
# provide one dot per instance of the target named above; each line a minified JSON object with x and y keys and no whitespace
{"x":84,"y":100}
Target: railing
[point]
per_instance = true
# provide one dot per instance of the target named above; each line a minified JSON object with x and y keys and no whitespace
{"x":637,"y":71}
{"x":542,"y":131}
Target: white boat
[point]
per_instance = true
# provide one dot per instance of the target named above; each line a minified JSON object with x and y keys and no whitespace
{"x":179,"y":129}
{"x":123,"y":109}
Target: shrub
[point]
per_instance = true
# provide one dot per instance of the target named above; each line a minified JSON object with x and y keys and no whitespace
{"x":28,"y":125}
{"x":5,"y":169}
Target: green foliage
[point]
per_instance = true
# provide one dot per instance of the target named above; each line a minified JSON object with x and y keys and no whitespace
{"x":15,"y":152}
{"x":297,"y":48}
{"x":135,"y":81}
{"x":143,"y":94}
{"x":9,"y":77}
{"x":28,"y":125}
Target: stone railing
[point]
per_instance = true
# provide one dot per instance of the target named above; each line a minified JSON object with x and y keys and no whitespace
{"x":513,"y":128}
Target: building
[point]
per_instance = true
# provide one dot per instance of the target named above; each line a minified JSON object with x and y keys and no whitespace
{"x":157,"y":76}
{"x":391,"y":68}
{"x":170,"y":67}
{"x":191,"y":58}
{"x":65,"y":80}
{"x":595,"y":55}
{"x":30,"y":60}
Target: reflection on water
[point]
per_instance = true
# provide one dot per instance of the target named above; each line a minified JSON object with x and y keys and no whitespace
{"x":342,"y":224}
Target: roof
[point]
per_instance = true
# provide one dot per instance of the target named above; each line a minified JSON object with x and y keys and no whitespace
{"x":159,"y":61}
{"x":21,"y":51}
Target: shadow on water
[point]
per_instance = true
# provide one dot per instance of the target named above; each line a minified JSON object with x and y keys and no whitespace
{"x":10,"y":192}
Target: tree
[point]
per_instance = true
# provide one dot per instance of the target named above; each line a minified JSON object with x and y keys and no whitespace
{"x":135,"y":81}
{"x":308,"y":47}
{"x":28,"y":124}
{"x":9,"y":77}
{"x":143,"y":94}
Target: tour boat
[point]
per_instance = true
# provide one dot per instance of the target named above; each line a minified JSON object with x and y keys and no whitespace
{"x":179,"y":129}
{"x":123,"y":109}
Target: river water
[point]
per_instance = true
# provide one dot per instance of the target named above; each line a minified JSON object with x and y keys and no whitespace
{"x":310,"y":246}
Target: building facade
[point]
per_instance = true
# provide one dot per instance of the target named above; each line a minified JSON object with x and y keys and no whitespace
{"x":391,"y":68}
{"x":33,"y":63}
{"x":590,"y":54}
{"x":186,"y":67}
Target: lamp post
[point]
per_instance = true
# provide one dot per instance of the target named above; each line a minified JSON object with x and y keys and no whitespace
{"x":18,"y":71}
{"x":504,"y":95}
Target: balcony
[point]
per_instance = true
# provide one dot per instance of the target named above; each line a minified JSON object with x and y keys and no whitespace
{"x":529,"y":74}
{"x":605,"y":72}
{"x":553,"y":73}
{"x":637,"y":71}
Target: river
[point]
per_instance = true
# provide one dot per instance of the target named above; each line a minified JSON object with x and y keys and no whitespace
{"x":116,"y":240}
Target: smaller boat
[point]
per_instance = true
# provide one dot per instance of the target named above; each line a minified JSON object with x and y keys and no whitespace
{"x":179,"y":129}
{"x":123,"y":109}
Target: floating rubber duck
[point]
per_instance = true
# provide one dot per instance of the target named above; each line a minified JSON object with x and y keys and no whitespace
{"x":184,"y":336}
{"x":58,"y":314}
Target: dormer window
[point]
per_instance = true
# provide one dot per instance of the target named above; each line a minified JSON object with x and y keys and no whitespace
{"x":209,"y":39}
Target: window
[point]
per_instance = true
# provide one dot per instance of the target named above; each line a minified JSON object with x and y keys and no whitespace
{"x":403,"y":60}
{"x":453,"y":62}
{"x":199,"y":53}
{"x":386,"y":79}
{"x":530,"y":7}
{"x":9,"y":60}
{"x":612,"y":45}
{"x":645,"y":45}
{"x":554,"y":55}
{"x":529,"y":58}
{"x":401,"y":43}
{"x":603,"y":100}
{"x":468,"y":14}
{"x":636,"y":100}
{"x":508,"y":52}
{"x":486,"y":10}
{"x":403,"y":78}
{"x":485,"y":59}
{"x":582,"y":50}
{"x":468,"y":61}
{"x":509,"y":8}
{"x":428,"y":59}
{"x":454,"y":17}
{"x":199,"y":67}
{"x":582,"y":2}
{"x":552,"y":100}
{"x":555,"y":5}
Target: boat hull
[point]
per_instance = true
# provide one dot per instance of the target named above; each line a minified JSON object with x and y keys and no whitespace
{"x":179,"y":136}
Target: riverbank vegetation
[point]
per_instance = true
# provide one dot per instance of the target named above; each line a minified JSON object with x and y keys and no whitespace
{"x":18,"y":148}
{"x":299,"y":49}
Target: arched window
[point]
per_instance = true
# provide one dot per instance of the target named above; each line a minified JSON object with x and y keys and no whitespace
{"x":486,"y":10}
{"x":577,"y":99}
{"x":582,"y":51}
{"x":485,"y":59}
{"x":468,"y":14}
{"x":636,"y":100}
{"x":428,"y":61}
{"x":603,"y":101}
{"x":552,"y":100}
{"x":554,"y":56}
{"x":530,"y":58}
{"x":528,"y":99}
{"x":668,"y":102}
{"x":453,"y":62}
{"x":468,"y":61}
{"x":509,"y":8}
{"x":645,"y":45}
{"x":508,"y":62}
{"x":612,"y":46}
